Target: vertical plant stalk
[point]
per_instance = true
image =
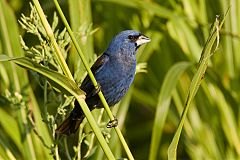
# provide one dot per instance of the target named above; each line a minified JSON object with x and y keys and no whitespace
{"x":7,"y":150}
{"x":96,"y":130}
{"x":78,"y":153}
{"x":104,"y":102}
{"x":56,"y":152}
{"x":28,"y":147}
{"x":163,"y":105}
{"x":27,"y":130}
{"x":91,"y":142}
{"x":66,"y":148}
{"x":80,"y":15}
{"x":196,"y":81}
{"x":45,"y":118}
{"x":66,"y":70}
{"x":50,"y":34}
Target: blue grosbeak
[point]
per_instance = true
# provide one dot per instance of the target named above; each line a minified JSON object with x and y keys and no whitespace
{"x":114,"y":70}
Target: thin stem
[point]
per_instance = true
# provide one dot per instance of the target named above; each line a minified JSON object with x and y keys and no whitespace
{"x":45,"y":113}
{"x":104,"y":102}
{"x":50,"y":34}
{"x":56,"y":152}
{"x":92,"y":136}
{"x":28,"y":135}
{"x":66,"y":148}
{"x":207,"y":52}
{"x":95,"y":128}
{"x":17,"y":87}
{"x":80,"y":139}
{"x":7,"y":151}
{"x":78,"y":154}
{"x":66,"y":70}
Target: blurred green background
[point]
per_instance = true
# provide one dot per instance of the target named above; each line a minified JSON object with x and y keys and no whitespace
{"x":179,"y":30}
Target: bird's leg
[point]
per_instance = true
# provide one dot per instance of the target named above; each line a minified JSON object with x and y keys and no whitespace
{"x":112,"y":123}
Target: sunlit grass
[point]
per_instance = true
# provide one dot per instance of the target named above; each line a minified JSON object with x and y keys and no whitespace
{"x":151,"y":110}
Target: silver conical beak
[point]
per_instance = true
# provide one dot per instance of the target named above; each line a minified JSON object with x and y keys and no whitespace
{"x":142,"y":40}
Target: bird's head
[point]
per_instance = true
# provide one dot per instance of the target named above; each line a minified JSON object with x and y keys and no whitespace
{"x":127,"y":42}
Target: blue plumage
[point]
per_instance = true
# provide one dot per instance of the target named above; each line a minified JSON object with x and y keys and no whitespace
{"x":114,"y":70}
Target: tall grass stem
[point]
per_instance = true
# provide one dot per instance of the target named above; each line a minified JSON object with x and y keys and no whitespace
{"x":104,"y":102}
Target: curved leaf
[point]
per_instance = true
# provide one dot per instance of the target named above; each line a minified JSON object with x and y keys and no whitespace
{"x":207,"y":52}
{"x":62,"y":82}
{"x":169,"y":84}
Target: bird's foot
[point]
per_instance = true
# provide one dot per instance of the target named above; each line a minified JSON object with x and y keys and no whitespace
{"x":97,"y":89}
{"x":112,"y":123}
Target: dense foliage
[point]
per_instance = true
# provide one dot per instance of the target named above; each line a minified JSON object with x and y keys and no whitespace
{"x":31,"y":106}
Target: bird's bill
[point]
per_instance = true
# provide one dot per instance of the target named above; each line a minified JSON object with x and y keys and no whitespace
{"x":142,"y":40}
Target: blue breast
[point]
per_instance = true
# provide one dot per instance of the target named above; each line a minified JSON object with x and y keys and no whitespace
{"x":116,"y":77}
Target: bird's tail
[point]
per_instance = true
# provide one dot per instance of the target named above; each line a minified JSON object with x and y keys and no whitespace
{"x":71,"y":124}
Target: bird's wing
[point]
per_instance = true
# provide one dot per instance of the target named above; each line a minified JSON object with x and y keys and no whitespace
{"x":87,"y":85}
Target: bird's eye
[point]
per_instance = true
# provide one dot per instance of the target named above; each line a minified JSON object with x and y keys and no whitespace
{"x":133,"y":38}
{"x":130,"y":37}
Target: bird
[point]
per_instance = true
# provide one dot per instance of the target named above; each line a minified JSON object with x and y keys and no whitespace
{"x":114,"y":71}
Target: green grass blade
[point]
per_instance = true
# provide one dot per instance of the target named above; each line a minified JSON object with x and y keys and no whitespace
{"x":5,"y":151}
{"x":228,"y":120}
{"x":69,"y":86}
{"x":78,"y":94}
{"x":160,"y":11}
{"x":181,"y":32}
{"x":59,"y":80}
{"x":121,"y":114}
{"x":94,"y":82}
{"x":81,"y":24}
{"x":196,"y":81}
{"x":40,"y":128}
{"x":11,"y":128}
{"x":50,"y":34}
{"x":163,"y":105}
{"x":18,"y":76}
